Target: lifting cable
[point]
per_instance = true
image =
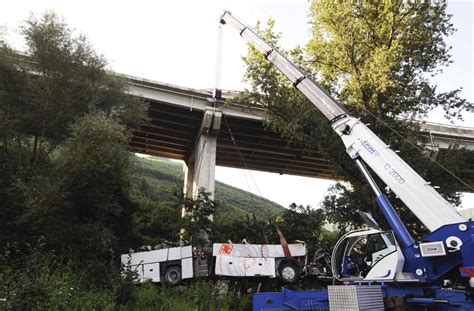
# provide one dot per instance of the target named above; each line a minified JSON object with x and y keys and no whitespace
{"x":198,"y":162}
{"x":244,"y":164}
{"x":217,"y":83}
{"x":217,"y":89}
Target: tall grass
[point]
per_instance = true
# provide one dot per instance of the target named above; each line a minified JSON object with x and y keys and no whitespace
{"x":200,"y":296}
{"x":36,"y":279}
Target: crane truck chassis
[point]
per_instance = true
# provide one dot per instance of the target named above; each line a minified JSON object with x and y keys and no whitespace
{"x":436,"y":271}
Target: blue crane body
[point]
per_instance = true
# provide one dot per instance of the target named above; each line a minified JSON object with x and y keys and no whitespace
{"x":418,"y":271}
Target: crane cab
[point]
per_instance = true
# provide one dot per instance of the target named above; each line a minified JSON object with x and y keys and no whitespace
{"x":367,"y":255}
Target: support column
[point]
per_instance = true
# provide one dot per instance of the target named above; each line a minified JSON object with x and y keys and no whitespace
{"x":201,"y":164}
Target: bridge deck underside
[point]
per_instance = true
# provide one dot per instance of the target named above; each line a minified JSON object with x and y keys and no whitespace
{"x":242,"y":143}
{"x":247,"y":144}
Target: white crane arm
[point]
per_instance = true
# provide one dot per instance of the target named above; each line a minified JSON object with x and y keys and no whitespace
{"x":417,"y":194}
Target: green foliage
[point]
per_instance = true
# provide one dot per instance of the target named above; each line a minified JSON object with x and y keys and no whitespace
{"x":71,"y":195}
{"x":33,"y":278}
{"x":329,"y":238}
{"x":201,"y":296}
{"x":238,"y":214}
{"x":241,"y":203}
{"x":236,"y":228}
{"x":375,"y":58}
{"x":159,"y":197}
{"x":197,"y":221}
{"x":338,"y":206}
{"x":302,"y":223}
{"x":298,"y":222}
{"x":157,"y":192}
{"x":65,"y":172}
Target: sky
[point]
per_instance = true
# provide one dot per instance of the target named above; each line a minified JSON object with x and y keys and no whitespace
{"x":176,"y":42}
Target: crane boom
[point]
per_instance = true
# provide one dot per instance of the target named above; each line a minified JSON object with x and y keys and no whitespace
{"x":361,"y":143}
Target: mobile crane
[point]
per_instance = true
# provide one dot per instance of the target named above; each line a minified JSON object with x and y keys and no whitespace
{"x":395,"y":264}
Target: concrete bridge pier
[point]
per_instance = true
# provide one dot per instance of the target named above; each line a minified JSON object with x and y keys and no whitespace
{"x":201,"y":164}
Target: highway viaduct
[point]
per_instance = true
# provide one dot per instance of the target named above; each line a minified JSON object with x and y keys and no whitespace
{"x":186,"y":126}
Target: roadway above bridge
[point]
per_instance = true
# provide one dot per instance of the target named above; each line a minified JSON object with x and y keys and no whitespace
{"x":177,"y":115}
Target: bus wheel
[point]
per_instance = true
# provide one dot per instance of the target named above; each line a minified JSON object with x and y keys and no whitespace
{"x":289,"y":272}
{"x":172,"y":275}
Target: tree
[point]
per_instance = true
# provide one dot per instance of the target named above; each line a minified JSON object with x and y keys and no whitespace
{"x":246,"y":227}
{"x":302,"y":223}
{"x":197,"y":222}
{"x":374,"y":58}
{"x":65,"y":122}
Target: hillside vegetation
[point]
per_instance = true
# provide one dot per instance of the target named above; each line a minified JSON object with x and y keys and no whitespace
{"x":164,"y":174}
{"x":238,"y":214}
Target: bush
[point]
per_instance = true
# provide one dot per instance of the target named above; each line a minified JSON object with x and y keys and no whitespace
{"x":199,"y":296}
{"x":33,"y":278}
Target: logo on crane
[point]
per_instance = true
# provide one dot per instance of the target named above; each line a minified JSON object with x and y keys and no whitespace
{"x":367,"y":146}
